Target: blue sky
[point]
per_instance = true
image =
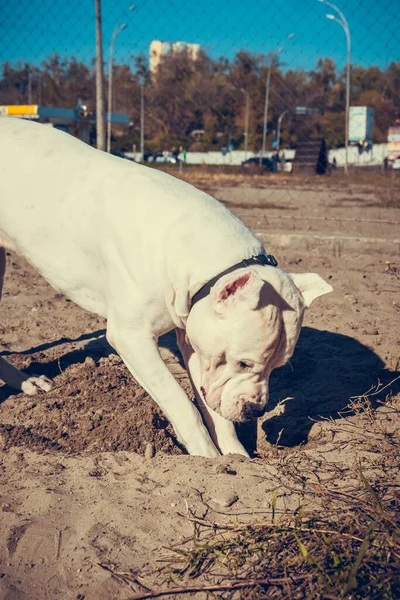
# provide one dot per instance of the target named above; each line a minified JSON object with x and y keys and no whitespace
{"x":31,"y":30}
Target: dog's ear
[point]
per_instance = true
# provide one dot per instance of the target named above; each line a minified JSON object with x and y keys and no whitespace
{"x":311,"y":286}
{"x":244,"y":287}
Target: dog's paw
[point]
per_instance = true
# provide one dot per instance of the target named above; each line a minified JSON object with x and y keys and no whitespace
{"x":36,"y":385}
{"x":237,"y":450}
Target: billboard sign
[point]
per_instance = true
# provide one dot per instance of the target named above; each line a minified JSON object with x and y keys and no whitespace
{"x":19,"y":110}
{"x":361,"y":123}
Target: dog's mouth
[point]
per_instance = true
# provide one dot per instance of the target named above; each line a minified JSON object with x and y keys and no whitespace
{"x":211,"y":400}
{"x":248,"y":414}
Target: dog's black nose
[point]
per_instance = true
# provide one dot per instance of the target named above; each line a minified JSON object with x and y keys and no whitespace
{"x":253,"y":412}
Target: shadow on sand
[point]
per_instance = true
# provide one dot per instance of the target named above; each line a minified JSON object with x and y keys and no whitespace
{"x":327,"y":369}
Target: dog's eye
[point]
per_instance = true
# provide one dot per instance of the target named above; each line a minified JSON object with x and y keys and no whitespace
{"x":244,"y":365}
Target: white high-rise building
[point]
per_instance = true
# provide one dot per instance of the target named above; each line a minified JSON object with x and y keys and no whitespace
{"x":159,"y":49}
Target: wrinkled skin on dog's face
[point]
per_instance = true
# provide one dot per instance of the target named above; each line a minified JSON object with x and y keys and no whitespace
{"x":247,"y":327}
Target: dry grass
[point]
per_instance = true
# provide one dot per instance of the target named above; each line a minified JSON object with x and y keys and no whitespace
{"x":341,"y":541}
{"x":351,"y":549}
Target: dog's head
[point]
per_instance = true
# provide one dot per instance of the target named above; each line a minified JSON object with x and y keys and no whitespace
{"x":245,"y":328}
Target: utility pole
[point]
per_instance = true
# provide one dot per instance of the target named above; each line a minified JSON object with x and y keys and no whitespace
{"x":266,"y":109}
{"x":345,"y":26}
{"x":348,"y":67}
{"x":116,"y":32}
{"x":273,"y":56}
{"x":29,"y":86}
{"x":278,"y":134}
{"x":100,"y":110}
{"x":246,"y":125}
{"x":142,"y":122}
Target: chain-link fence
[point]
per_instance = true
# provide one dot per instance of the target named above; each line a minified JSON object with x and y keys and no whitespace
{"x":231,"y":80}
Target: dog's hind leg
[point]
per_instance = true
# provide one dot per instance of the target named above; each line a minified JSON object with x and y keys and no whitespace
{"x":9,"y":374}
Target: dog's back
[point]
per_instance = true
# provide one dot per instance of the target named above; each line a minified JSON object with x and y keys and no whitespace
{"x":61,"y":200}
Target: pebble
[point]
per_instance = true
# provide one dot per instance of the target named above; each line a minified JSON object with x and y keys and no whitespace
{"x":351,"y":299}
{"x":90,"y":362}
{"x":150,"y":451}
{"x":218,"y":469}
{"x":226,"y":500}
{"x":371,"y":332}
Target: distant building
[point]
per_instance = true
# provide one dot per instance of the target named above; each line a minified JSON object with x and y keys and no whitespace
{"x":159,"y":49}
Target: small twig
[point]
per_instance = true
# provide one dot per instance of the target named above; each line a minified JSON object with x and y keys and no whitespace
{"x":265,"y":525}
{"x":378,"y":391}
{"x":219,"y":588}
{"x":59,"y":365}
{"x":126,"y":578}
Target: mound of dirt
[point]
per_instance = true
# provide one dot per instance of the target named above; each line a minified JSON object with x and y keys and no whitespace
{"x":94,"y":408}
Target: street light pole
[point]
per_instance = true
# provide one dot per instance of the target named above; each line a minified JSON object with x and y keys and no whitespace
{"x":29,"y":85}
{"x":99,"y":81}
{"x":142,"y":122}
{"x":267,"y":86}
{"x":246,"y":122}
{"x":278,"y":133}
{"x":116,"y":32}
{"x":266,"y":109}
{"x":345,"y":26}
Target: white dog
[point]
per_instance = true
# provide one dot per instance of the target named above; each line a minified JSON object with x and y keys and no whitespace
{"x":150,"y":253}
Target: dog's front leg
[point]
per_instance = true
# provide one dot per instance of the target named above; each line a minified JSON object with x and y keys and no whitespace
{"x":140,"y":354}
{"x":28,"y":384}
{"x":222,"y":431}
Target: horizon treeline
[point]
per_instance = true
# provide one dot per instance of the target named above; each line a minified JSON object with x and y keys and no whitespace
{"x":207,"y":95}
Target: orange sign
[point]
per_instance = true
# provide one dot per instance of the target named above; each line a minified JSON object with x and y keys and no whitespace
{"x":18,"y":110}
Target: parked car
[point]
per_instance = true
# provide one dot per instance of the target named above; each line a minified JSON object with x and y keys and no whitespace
{"x":120,"y":154}
{"x":288,"y":167}
{"x":159,"y":157}
{"x":166,"y":158}
{"x":152,"y":156}
{"x":254,"y":164}
{"x":396,"y":164}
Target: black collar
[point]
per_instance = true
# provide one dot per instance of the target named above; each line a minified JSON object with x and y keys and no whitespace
{"x":261,"y":259}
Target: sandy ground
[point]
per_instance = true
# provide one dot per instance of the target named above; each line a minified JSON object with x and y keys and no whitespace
{"x":93,"y":483}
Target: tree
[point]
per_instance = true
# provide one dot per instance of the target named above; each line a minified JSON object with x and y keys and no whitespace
{"x":185,"y":95}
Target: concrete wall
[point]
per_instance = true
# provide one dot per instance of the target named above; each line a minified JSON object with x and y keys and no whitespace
{"x":236,"y":157}
{"x":374,"y":157}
